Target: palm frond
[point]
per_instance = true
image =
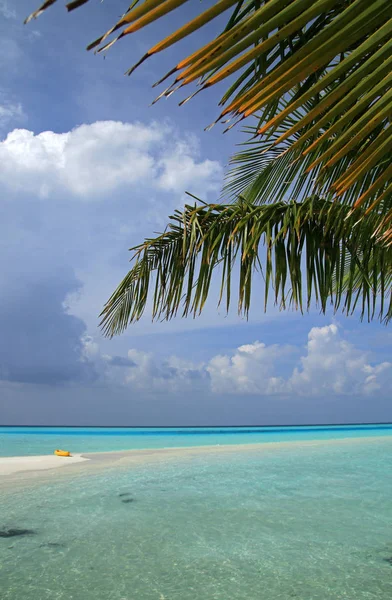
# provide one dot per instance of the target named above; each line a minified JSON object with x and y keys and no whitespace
{"x":343,"y":263}
{"x":332,"y":58}
{"x":313,"y":184}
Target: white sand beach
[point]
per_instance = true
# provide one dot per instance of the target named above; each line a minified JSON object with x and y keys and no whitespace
{"x":15,"y":464}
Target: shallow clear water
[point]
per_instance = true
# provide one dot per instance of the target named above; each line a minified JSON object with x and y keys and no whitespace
{"x":23,"y":441}
{"x":305,"y":522}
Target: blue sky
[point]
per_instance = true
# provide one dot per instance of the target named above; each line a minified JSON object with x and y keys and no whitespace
{"x":88,"y":169}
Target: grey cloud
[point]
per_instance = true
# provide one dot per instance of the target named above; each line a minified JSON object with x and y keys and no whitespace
{"x":40,"y":342}
{"x":120,"y":361}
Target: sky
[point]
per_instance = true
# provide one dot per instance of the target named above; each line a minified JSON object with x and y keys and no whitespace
{"x":87,"y":170}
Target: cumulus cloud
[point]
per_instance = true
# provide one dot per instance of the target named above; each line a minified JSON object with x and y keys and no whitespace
{"x":179,"y":167}
{"x":249,"y":370}
{"x":92,"y":160}
{"x":142,"y":371}
{"x":172,"y":375}
{"x":47,"y":231}
{"x":331,"y":366}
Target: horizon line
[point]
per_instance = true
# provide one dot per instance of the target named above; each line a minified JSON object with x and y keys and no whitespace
{"x":202,"y":426}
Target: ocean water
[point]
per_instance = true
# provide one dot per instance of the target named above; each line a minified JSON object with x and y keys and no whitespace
{"x":23,"y":441}
{"x":304,"y":521}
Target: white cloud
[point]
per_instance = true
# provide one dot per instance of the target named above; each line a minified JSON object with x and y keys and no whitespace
{"x":90,"y":349}
{"x":6,"y":11}
{"x":378,"y":378}
{"x":10,"y":112}
{"x":93,"y":160}
{"x":250,"y":370}
{"x":331,"y":367}
{"x":142,"y":371}
{"x":178,"y":168}
{"x":171,"y":375}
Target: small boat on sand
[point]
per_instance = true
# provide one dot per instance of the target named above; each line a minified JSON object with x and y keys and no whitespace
{"x":62,"y":453}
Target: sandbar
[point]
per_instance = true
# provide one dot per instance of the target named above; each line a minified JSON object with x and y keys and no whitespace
{"x":25,"y":467}
{"x":16,"y":464}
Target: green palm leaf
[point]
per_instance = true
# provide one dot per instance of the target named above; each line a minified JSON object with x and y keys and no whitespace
{"x":331,"y":57}
{"x":343,"y":262}
{"x":316,"y":173}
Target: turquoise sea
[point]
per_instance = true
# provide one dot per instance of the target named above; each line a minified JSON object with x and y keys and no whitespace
{"x":311,"y":521}
{"x":24,"y":441}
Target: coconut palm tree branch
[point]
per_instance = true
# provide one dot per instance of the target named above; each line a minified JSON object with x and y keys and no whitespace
{"x":311,"y":56}
{"x":342,"y":262}
{"x":331,"y":58}
{"x":350,"y":160}
{"x":316,"y":76}
{"x":272,"y":15}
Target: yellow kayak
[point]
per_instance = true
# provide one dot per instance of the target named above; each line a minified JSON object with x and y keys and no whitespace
{"x":62,"y":453}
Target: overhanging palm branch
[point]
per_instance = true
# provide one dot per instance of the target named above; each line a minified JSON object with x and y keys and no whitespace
{"x":316,"y":74}
{"x":343,"y":263}
{"x":331,"y":57}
